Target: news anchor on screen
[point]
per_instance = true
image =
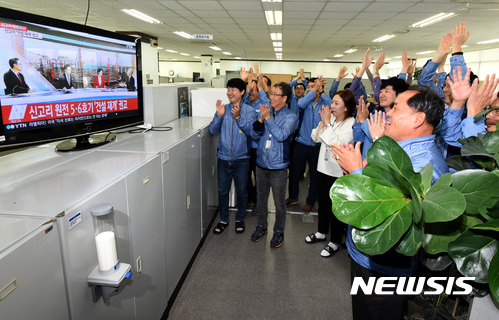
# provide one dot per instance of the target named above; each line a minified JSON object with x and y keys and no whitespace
{"x":99,"y":79}
{"x":14,"y":79}
{"x":130,"y":80}
{"x":66,"y":81}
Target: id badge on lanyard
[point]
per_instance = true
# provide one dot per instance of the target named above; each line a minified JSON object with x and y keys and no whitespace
{"x":268,"y":143}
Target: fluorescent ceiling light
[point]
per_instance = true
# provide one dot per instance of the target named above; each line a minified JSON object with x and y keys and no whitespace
{"x":277,"y":49}
{"x":139,"y":15}
{"x":172,"y":51}
{"x":431,"y":20}
{"x":351,"y":50}
{"x":274,"y":18}
{"x":173,"y":59}
{"x":238,"y":58}
{"x":277,"y":44}
{"x":425,"y":52}
{"x":338,"y":55}
{"x":196,"y":57}
{"x":227,"y":53}
{"x":488,"y":41}
{"x":185,"y":54}
{"x":384,"y":38}
{"x":276,"y":36}
{"x":388,"y":58}
{"x":215,"y":48}
{"x":159,"y":48}
{"x":397,"y":57}
{"x":183,"y":34}
{"x":271,"y":0}
{"x":325,"y":60}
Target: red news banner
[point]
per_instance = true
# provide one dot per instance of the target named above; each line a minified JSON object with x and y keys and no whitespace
{"x":46,"y":111}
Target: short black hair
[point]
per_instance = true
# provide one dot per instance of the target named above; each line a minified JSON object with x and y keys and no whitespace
{"x":237,"y":83}
{"x":269,"y":83}
{"x":397,"y":84}
{"x":66,"y":66}
{"x":347,"y":86}
{"x":99,"y":70}
{"x":428,"y":102}
{"x":313,"y":80}
{"x":300,"y":84}
{"x":286,"y":90}
{"x":13,"y":62}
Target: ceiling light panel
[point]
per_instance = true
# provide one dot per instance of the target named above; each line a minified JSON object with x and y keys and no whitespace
{"x":139,"y":15}
{"x":434,"y":19}
{"x":274,"y":18}
{"x":183,"y":34}
{"x":384,"y":38}
{"x":215,"y":48}
{"x":276,"y":36}
{"x":277,"y":44}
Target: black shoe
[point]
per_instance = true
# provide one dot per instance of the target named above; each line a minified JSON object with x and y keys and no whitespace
{"x":239,"y":226}
{"x":277,"y":239}
{"x":259,"y":232}
{"x":220,"y":228}
{"x":328,"y":251}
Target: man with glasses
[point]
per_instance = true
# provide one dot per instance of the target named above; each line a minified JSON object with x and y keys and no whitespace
{"x":274,"y":129}
{"x":306,"y":150}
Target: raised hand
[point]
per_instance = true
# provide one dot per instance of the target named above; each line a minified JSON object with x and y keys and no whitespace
{"x":366,"y":62}
{"x":481,"y":98}
{"x":235,"y":112}
{"x":264,"y":111}
{"x":255,"y":68}
{"x":406,"y":62}
{"x":377,"y":125}
{"x":410,"y":70}
{"x":244,"y":74}
{"x":302,"y":74}
{"x":325,"y":114}
{"x":459,"y":36}
{"x":357,"y":69}
{"x":379,"y":63}
{"x":220,"y":108}
{"x":362,"y":111}
{"x":262,"y":85}
{"x":348,"y":158}
{"x":342,"y":73}
{"x":461,"y":90}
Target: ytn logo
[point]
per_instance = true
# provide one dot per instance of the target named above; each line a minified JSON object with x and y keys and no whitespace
{"x":415,"y":285}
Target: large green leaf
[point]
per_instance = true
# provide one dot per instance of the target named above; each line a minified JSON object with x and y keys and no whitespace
{"x":473,"y":146}
{"x":467,"y":221}
{"x":490,"y":212}
{"x":477,"y":186}
{"x":437,"y":236}
{"x":386,"y":152}
{"x":472,"y":254}
{"x":492,"y":225}
{"x":409,"y":189}
{"x":494,"y":277}
{"x":380,"y":239}
{"x":411,"y":241}
{"x":489,"y":208}
{"x":358,"y":200}
{"x":484,"y":162}
{"x":442,"y":183}
{"x":426,"y":177}
{"x":458,"y":163}
{"x":443,"y":205}
{"x":436,"y":262}
{"x":382,"y":176}
{"x":491,"y":142}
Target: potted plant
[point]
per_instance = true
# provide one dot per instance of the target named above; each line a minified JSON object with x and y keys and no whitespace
{"x":455,"y":220}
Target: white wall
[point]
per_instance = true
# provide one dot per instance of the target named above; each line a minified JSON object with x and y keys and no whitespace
{"x":149,"y":63}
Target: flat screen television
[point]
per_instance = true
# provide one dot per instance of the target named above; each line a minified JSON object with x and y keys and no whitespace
{"x":64,"y":80}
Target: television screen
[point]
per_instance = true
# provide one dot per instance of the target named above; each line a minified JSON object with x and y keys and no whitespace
{"x":62,"y":79}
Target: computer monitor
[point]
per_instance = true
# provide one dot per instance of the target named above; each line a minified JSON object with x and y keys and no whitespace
{"x":64,"y":80}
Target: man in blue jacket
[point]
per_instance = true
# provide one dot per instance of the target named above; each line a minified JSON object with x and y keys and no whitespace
{"x":275,"y":129}
{"x":306,"y":150}
{"x":234,"y":122}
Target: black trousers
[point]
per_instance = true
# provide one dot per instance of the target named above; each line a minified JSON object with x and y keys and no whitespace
{"x":326,"y":216}
{"x":375,"y":307}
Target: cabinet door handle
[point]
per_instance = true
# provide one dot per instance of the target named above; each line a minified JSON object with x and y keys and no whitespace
{"x":4,"y":288}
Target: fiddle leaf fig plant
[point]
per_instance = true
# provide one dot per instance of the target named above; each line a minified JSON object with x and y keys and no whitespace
{"x":391,"y":207}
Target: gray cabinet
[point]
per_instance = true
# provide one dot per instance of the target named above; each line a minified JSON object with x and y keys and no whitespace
{"x":182,"y":205}
{"x":31,"y":271}
{"x":209,"y":172}
{"x":147,"y":239}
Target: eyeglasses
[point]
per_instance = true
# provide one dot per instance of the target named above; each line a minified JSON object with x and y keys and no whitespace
{"x":275,"y":94}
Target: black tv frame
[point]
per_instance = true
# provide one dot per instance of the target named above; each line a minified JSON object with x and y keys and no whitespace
{"x":19,"y":139}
